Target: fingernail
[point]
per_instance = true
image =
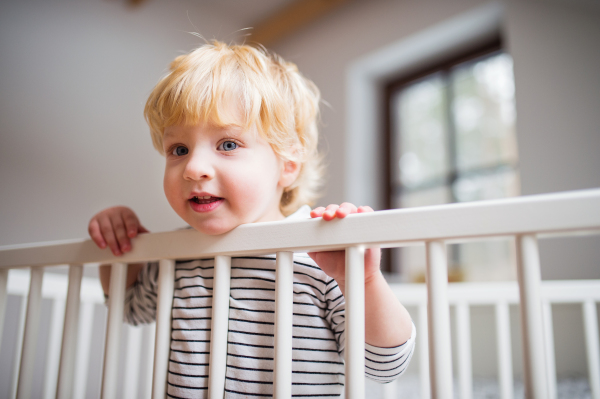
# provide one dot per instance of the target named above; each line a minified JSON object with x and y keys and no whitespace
{"x":103,"y":245}
{"x":125,"y":248}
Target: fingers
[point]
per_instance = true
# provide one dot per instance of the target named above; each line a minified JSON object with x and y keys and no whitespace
{"x":340,"y":211}
{"x":330,"y":211}
{"x":120,"y":232}
{"x":317,"y":212}
{"x":114,"y":227}
{"x":94,"y":231}
{"x":345,"y":209}
{"x":131,"y":222}
{"x":365,"y":209}
{"x":107,"y":231}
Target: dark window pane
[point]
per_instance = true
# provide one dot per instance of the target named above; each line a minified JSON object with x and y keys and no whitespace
{"x":432,"y":196}
{"x":421,"y":153}
{"x":500,"y":183}
{"x":483,"y":111}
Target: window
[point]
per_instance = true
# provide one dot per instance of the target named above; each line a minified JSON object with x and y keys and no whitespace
{"x":452,"y":139}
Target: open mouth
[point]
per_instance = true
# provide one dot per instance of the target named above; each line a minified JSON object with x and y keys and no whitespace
{"x":208,"y":199}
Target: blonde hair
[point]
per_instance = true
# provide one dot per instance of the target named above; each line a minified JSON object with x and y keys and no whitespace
{"x":271,"y":94}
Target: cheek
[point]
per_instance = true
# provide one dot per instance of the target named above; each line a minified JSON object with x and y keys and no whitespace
{"x":170,"y":186}
{"x":253,"y":185}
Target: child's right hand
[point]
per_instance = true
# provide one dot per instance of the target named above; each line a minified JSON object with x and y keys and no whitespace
{"x":114,"y":227}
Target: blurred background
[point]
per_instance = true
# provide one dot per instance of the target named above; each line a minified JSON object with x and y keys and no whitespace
{"x":426,"y":102}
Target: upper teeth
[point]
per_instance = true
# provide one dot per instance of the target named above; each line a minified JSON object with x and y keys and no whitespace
{"x":205,"y":197}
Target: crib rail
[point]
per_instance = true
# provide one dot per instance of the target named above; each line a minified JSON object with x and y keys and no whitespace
{"x":500,"y":295}
{"x":524,"y":218}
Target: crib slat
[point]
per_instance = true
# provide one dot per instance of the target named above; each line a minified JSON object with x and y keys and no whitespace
{"x":284,"y":308}
{"x":53,"y":349}
{"x":590,"y":321}
{"x":30,"y":334}
{"x":83,"y":349}
{"x":66,"y":371}
{"x":534,"y":352}
{"x":355,"y":322}
{"x":390,"y":390}
{"x":3,"y":297}
{"x":220,"y":327}
{"x":504,"y":351}
{"x":424,"y":353}
{"x":19,"y":347}
{"x":116,"y":298}
{"x":149,"y":333}
{"x":463,"y":340}
{"x":549,"y":341}
{"x":164,"y":303}
{"x":132,"y":362}
{"x":440,"y":356}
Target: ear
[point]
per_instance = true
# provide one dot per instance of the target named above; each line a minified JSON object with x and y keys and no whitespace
{"x":289,"y":173}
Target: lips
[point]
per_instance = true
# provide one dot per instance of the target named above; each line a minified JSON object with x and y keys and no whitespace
{"x":204,"y":202}
{"x":205,"y":199}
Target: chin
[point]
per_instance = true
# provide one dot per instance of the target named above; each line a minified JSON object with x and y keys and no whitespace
{"x":213,"y":228}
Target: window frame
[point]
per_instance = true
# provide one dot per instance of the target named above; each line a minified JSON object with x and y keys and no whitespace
{"x":489,"y":48}
{"x":391,"y":87}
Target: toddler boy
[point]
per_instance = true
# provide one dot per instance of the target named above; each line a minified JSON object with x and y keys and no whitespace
{"x":238,"y":129}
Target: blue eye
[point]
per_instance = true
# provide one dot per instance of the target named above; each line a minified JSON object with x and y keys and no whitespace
{"x":228,"y":146}
{"x":180,"y":150}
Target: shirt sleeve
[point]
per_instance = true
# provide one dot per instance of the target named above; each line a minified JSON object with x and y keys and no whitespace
{"x":386,"y":364}
{"x":140,"y":298}
{"x":381,"y":364}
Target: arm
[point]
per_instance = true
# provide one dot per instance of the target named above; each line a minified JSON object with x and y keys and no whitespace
{"x":133,"y":270}
{"x":387,"y":322}
{"x":114,"y":227}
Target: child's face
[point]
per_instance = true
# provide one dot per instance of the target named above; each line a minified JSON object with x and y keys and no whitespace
{"x":218,"y":178}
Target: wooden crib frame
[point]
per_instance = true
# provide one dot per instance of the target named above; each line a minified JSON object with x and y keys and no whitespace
{"x":523,"y":218}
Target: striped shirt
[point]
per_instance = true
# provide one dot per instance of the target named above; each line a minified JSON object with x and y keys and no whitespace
{"x":318,"y":329}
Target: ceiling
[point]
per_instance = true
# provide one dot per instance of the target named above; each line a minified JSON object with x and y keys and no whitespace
{"x":248,"y":12}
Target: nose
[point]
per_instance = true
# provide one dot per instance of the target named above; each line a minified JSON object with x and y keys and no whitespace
{"x":199,"y":167}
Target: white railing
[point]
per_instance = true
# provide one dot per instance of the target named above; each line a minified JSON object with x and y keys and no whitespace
{"x":139,"y":340}
{"x":524,"y":218}
{"x":500,"y":296}
{"x":461,"y":297}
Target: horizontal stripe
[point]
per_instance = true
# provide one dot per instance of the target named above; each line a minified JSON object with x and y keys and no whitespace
{"x":318,"y":319}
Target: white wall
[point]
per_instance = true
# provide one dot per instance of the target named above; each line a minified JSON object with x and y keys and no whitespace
{"x":74,"y":77}
{"x":556,"y":50}
{"x":556,"y":55}
{"x":324,"y":52}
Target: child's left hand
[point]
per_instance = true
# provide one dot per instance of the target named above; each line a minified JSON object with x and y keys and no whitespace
{"x":333,"y":263}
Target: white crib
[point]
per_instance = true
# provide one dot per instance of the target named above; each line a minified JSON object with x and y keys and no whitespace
{"x":524,"y":218}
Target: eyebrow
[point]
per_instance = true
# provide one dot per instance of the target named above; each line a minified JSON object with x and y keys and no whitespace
{"x":233,"y":130}
{"x":168,"y":134}
{"x":230,"y":130}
